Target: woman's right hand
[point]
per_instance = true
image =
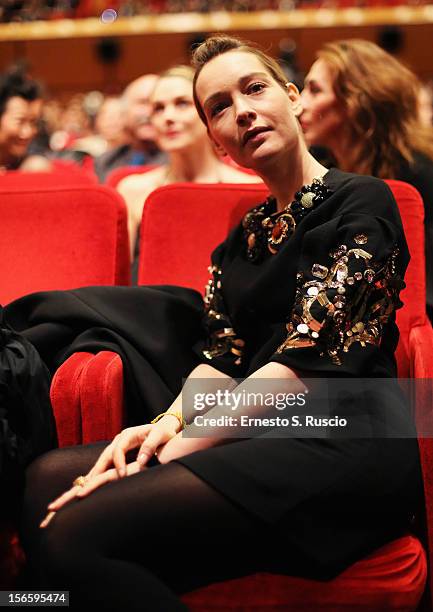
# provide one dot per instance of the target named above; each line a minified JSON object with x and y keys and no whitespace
{"x":147,"y":437}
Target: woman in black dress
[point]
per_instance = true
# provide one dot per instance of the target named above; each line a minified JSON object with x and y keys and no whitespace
{"x":363,"y":105}
{"x":304,"y":288}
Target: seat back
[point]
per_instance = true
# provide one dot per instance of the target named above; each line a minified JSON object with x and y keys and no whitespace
{"x":61,"y":238}
{"x":67,"y":176}
{"x":116,"y":175}
{"x":183,"y":223}
{"x":415,"y":349}
{"x":413,"y":313}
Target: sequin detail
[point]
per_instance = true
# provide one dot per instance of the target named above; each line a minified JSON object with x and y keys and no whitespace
{"x":267,"y":232}
{"x":221,"y":337}
{"x":361,"y":239}
{"x":351,"y":303}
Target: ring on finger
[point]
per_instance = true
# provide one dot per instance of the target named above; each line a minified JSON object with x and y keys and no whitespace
{"x":80,"y":481}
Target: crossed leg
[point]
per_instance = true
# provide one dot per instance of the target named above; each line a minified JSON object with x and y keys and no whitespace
{"x":136,"y":543}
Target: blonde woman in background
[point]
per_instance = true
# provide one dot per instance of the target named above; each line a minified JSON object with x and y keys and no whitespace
{"x":182,"y":135}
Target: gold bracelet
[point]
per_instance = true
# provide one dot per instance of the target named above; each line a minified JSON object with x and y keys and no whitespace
{"x":178,"y":416}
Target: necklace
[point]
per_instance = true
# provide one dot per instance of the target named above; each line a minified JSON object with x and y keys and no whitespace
{"x":264,"y":231}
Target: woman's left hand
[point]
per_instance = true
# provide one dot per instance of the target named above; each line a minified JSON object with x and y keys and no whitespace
{"x":175,"y":447}
{"x":80,"y":491}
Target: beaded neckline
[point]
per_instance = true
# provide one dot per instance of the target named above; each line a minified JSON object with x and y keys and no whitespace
{"x":267,"y":232}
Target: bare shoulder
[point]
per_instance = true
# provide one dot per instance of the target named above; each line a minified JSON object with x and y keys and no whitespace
{"x":232,"y":175}
{"x":137,"y":183}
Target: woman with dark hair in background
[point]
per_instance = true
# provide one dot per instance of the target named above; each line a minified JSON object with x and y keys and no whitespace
{"x":305,"y":287}
{"x":363,"y":105}
{"x":20,"y":112}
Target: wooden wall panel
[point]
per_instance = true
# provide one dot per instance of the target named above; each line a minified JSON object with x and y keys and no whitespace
{"x":71,"y":65}
{"x":9,"y":51}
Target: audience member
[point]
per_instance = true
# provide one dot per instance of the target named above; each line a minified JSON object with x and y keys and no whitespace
{"x":30,"y":10}
{"x":363,"y":105}
{"x":109,"y":122}
{"x":141,"y":148}
{"x":20,"y":111}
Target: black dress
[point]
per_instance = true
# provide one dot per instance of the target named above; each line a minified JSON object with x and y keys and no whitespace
{"x":322,"y":303}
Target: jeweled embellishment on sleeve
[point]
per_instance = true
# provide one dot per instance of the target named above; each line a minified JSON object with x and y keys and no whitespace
{"x":360,"y":239}
{"x":221,"y":336}
{"x":348,"y":302}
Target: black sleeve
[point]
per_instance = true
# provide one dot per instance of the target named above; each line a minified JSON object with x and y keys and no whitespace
{"x":349,"y":278}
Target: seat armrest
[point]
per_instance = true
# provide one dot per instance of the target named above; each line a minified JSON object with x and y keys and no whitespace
{"x":65,"y":399}
{"x":102,"y":404}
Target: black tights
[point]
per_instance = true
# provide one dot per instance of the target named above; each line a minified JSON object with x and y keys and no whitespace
{"x":137,"y":543}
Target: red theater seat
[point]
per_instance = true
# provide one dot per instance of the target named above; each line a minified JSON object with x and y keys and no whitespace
{"x":61,"y":238}
{"x":189,"y":220}
{"x":118,"y":174}
{"x":390,"y":579}
{"x":63,"y":176}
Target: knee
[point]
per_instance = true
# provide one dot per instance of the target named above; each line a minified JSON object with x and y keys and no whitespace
{"x":47,"y":473}
{"x":45,"y":466}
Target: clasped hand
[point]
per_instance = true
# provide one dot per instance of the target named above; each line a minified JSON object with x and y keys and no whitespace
{"x":147,"y":437}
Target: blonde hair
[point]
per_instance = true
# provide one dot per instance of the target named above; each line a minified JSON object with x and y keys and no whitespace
{"x":181,"y":70}
{"x":380,"y":98}
{"x":217,"y":44}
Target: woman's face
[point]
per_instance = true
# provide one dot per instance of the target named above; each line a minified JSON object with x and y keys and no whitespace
{"x":174,"y":115}
{"x":322,"y":116}
{"x":250,"y":116}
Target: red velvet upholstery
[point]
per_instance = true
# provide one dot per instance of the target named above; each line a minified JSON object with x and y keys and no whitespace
{"x":102,"y":382}
{"x":65,"y":398}
{"x":182,"y":224}
{"x":390,"y":579}
{"x":85,"y":166}
{"x":413,"y":297}
{"x":116,"y":175}
{"x":83,"y":384}
{"x":62,"y":176}
{"x":61,"y":238}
